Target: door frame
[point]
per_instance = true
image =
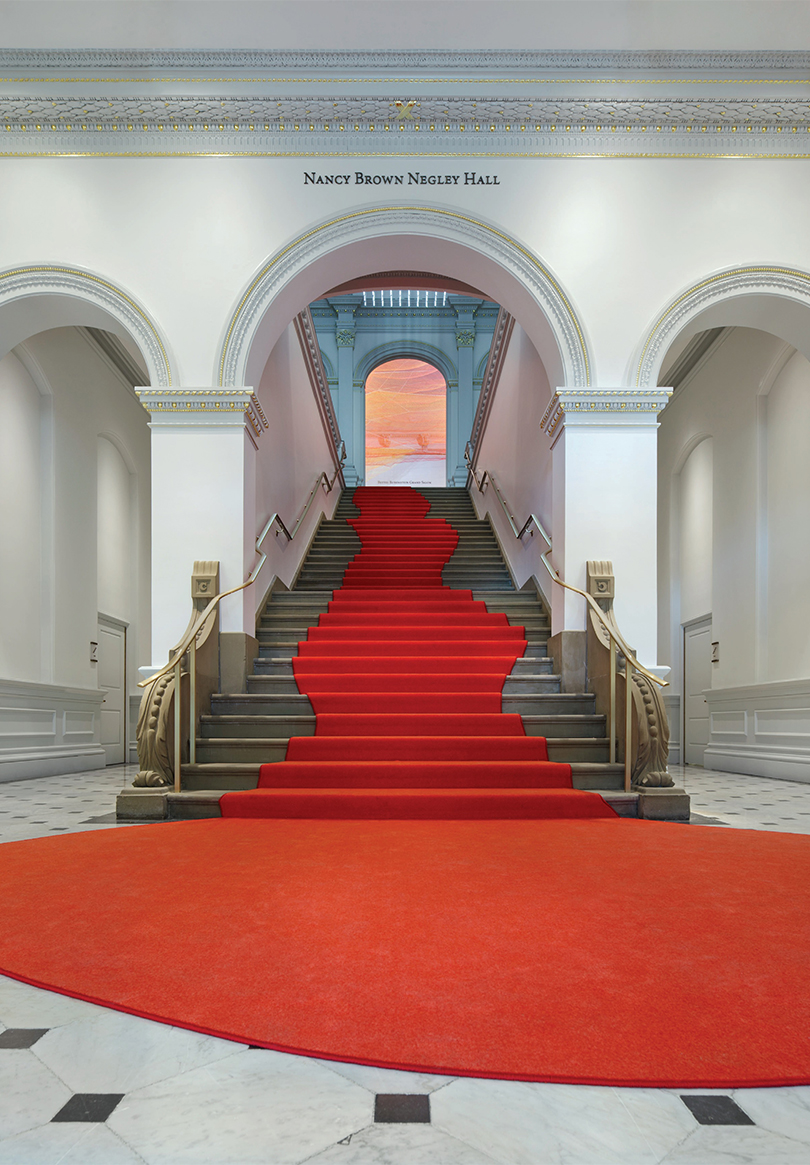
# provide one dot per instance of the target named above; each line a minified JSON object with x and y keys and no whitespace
{"x":120,"y":625}
{"x":690,"y":625}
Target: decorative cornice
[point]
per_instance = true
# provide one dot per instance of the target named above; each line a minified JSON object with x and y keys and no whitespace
{"x":207,"y":407}
{"x":752,"y":280}
{"x":340,"y":113}
{"x":404,"y":104}
{"x":56,"y":279}
{"x":452,"y":127}
{"x":504,"y":325}
{"x":603,"y":406}
{"x":310,"y":350}
{"x":258,"y":61}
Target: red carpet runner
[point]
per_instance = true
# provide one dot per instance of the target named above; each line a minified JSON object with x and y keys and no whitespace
{"x":405,"y":678}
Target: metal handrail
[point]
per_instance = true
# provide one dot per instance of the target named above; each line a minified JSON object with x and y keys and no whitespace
{"x":616,"y":637}
{"x":189,"y":641}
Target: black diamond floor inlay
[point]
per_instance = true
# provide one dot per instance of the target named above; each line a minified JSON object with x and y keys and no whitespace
{"x":92,"y":1107}
{"x":21,"y":1037}
{"x":401,"y":1108}
{"x":716,"y":1110}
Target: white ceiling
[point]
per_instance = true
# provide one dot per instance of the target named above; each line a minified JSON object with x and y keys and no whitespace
{"x":407,"y":24}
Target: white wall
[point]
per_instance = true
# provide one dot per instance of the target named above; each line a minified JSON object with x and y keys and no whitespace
{"x":696,"y":498}
{"x":734,"y":490}
{"x":517,"y":452}
{"x":114,"y":533}
{"x":788,"y":519}
{"x":21,"y":472}
{"x":595,"y":222}
{"x":292,"y":453}
{"x":74,"y":517}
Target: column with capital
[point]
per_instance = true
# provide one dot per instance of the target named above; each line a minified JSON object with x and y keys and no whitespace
{"x":465,"y":343}
{"x":605,"y":474}
{"x":344,"y":338}
{"x":204,"y":443}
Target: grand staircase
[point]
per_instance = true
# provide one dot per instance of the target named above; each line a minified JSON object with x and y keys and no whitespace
{"x":252,"y":728}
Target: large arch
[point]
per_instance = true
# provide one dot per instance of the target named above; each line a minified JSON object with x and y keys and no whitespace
{"x":403,"y":237}
{"x":407,"y":349}
{"x":769,"y":298}
{"x":40,"y":296}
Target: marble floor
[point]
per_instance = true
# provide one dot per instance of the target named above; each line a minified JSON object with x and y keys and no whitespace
{"x":82,"y":1085}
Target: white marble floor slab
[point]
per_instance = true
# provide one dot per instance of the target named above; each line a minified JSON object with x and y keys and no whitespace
{"x":190,"y":1099}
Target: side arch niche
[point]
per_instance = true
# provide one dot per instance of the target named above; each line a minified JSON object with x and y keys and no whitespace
{"x":40,"y":296}
{"x":414,"y":239}
{"x":769,"y":298}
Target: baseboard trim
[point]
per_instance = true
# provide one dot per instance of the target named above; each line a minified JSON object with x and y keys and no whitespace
{"x":758,"y":762}
{"x":55,"y":762}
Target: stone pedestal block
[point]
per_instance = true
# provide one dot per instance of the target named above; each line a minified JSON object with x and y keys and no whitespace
{"x":663,"y":804}
{"x":141,"y":804}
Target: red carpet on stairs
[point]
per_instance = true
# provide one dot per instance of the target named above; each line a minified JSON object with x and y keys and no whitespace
{"x":405,"y":678}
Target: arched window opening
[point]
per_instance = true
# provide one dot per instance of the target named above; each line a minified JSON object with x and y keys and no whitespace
{"x":406,"y":424}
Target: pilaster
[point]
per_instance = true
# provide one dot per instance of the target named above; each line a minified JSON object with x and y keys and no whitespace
{"x":345,"y":333}
{"x":204,"y":443}
{"x":465,"y":344}
{"x":605,"y":473}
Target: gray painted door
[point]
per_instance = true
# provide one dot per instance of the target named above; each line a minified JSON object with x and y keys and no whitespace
{"x":697,"y":677}
{"x":112,"y":657}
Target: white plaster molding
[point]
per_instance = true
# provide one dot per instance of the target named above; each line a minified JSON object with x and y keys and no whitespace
{"x":299,"y":114}
{"x":57,"y":279}
{"x":203,"y":407}
{"x":785,"y":353}
{"x":761,"y":729}
{"x":461,"y":145}
{"x":447,"y":225}
{"x":603,"y":407}
{"x":260,"y":60}
{"x":313,"y":360}
{"x":504,"y":326}
{"x":47,"y":729}
{"x":756,"y":279}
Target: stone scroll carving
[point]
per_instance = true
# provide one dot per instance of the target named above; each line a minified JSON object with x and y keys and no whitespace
{"x":155,"y":731}
{"x":650,"y":727}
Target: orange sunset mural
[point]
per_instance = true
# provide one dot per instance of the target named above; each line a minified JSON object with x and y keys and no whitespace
{"x":406,"y":424}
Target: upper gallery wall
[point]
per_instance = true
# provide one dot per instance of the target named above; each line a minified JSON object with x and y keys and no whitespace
{"x":613,"y":180}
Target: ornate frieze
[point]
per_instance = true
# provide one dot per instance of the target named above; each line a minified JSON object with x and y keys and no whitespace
{"x":504,"y":61}
{"x":603,"y":406}
{"x":406,"y":105}
{"x":203,"y":407}
{"x":344,"y":337}
{"x":465,"y":338}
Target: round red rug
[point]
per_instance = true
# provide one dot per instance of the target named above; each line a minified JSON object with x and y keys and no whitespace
{"x":601,"y":952}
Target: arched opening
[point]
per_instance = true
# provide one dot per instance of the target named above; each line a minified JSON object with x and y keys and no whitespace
{"x":77,"y":447}
{"x":733,"y":452}
{"x":406,"y":424}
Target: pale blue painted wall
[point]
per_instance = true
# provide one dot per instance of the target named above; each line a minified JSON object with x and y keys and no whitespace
{"x":452,"y":332}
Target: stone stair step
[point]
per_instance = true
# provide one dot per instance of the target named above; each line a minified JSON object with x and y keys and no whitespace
{"x":198,"y":804}
{"x":577,"y":749}
{"x":548,"y":703}
{"x":562,"y":725}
